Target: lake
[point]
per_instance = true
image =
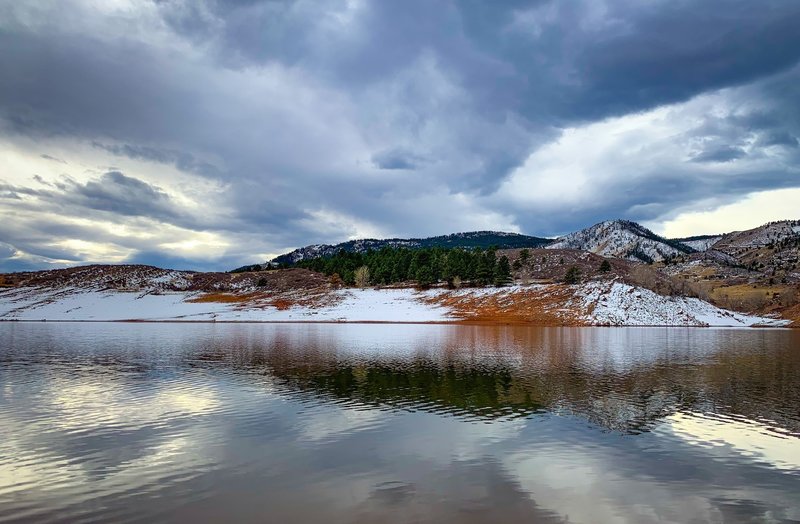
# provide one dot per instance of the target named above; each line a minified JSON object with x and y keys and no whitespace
{"x":397,"y":423}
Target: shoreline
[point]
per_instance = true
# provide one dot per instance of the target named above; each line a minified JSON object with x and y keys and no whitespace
{"x":390,"y":322}
{"x":595,"y":303}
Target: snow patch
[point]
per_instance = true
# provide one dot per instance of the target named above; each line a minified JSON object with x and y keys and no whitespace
{"x":702,"y":244}
{"x":618,"y":304}
{"x":370,"y":305}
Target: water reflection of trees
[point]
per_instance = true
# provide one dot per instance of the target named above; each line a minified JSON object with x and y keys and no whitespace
{"x":623,"y":382}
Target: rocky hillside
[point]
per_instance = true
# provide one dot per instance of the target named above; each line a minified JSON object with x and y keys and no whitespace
{"x":622,"y":239}
{"x":141,"y":279}
{"x":769,"y":233}
{"x":757,"y":270}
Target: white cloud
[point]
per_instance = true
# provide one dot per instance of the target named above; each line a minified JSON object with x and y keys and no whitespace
{"x":753,"y":210}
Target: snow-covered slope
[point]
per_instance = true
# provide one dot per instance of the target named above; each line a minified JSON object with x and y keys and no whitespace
{"x":592,"y":303}
{"x":618,"y":304}
{"x":621,"y":239}
{"x":353,"y":305}
{"x":699,"y":243}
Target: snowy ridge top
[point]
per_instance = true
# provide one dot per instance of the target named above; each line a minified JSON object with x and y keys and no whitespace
{"x":622,"y":239}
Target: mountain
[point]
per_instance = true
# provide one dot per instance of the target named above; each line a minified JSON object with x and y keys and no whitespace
{"x":622,"y":239}
{"x":772,"y":248}
{"x":773,"y":245}
{"x":771,"y":233}
{"x":753,"y":270}
{"x":474,"y":239}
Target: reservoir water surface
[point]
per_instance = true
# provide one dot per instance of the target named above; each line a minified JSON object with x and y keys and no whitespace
{"x":397,"y":423}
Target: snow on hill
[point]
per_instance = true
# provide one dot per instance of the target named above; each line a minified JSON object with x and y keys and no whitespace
{"x":770,"y":233}
{"x":591,"y":303}
{"x":128,"y":277}
{"x":699,"y":243}
{"x":618,"y":304}
{"x":621,"y":239}
{"x":327,"y":250}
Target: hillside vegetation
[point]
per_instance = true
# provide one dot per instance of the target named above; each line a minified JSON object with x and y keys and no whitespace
{"x":469,"y":240}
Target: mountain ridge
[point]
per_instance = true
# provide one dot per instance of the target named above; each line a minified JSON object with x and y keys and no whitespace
{"x":469,"y":239}
{"x":618,"y":238}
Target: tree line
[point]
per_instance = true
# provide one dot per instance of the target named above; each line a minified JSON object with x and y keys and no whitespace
{"x":426,"y":266}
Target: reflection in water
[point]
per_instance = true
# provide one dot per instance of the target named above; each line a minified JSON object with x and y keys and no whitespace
{"x":623,"y":380}
{"x":398,"y":423}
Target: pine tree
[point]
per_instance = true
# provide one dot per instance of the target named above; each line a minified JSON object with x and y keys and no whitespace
{"x":605,"y":266}
{"x":502,"y":272}
{"x":573,"y":275}
{"x":486,"y":267}
{"x":424,"y":276}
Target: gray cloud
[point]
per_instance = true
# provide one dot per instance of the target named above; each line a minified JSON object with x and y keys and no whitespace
{"x":182,"y":161}
{"x":54,"y":159}
{"x":720,"y":154}
{"x":322,"y":120}
{"x":396,"y":159}
{"x":779,"y":138}
{"x":112,"y":192}
{"x":119,"y":194}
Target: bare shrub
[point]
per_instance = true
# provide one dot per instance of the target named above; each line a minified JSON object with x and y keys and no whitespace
{"x":336,"y":281}
{"x":362,"y":277}
{"x":649,"y":278}
{"x":789,"y":297}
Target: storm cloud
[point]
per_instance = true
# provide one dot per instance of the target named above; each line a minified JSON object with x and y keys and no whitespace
{"x":212,"y":133}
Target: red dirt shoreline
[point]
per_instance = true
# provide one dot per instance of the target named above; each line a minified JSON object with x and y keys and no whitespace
{"x":389,"y":322}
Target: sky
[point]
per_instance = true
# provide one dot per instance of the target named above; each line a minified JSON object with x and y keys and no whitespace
{"x":207,"y":134}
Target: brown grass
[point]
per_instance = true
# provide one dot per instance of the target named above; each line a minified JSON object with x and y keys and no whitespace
{"x":539,"y":307}
{"x":226,"y":298}
{"x":281,"y":304}
{"x":747,"y":297}
{"x":792,"y":313}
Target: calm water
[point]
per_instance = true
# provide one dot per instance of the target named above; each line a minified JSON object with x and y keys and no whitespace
{"x":377,"y":423}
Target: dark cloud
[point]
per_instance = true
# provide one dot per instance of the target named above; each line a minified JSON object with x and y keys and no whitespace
{"x":396,"y":159}
{"x":679,"y":49}
{"x":161,"y":259}
{"x":720,"y":154}
{"x":779,"y":138}
{"x":182,"y":161}
{"x":120,"y":194}
{"x":315,"y":121}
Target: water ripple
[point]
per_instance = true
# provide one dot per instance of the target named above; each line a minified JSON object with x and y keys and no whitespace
{"x":123,"y":422}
